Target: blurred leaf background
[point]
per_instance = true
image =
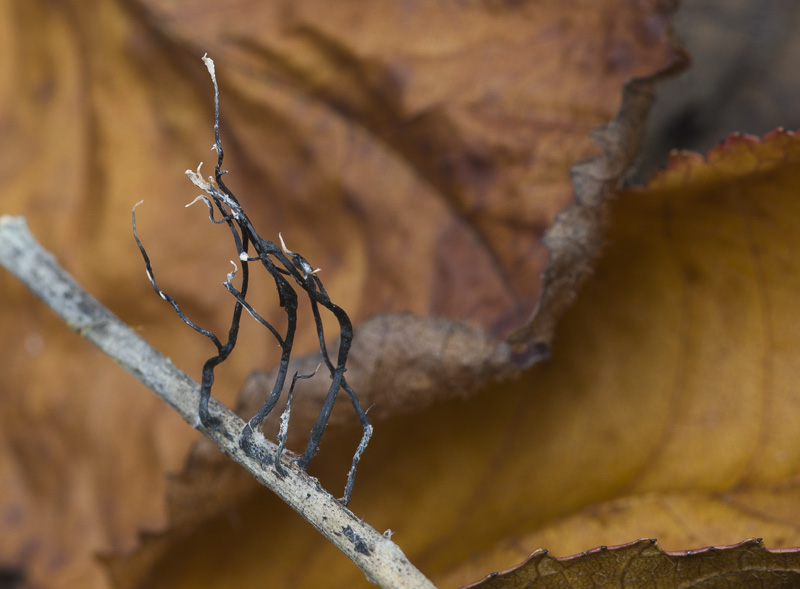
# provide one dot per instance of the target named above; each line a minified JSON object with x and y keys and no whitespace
{"x":417,"y":153}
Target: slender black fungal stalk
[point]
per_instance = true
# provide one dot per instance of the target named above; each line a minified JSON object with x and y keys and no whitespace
{"x":285,"y":267}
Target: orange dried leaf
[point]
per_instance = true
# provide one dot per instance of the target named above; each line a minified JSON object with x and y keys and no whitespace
{"x":669,"y":408}
{"x":418,"y":169}
{"x":644,"y":564}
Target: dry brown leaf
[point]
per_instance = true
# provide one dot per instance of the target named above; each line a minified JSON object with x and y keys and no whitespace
{"x":677,"y":369}
{"x":443,"y":155}
{"x":644,"y":564}
{"x":419,"y":170}
{"x":668,"y":409}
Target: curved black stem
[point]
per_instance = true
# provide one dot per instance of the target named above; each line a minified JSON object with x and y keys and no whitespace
{"x":282,"y":265}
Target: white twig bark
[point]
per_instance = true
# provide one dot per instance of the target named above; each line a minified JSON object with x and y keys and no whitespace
{"x":378,"y":557}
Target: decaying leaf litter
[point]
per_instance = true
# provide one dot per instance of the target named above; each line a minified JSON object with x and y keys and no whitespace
{"x":444,"y":115}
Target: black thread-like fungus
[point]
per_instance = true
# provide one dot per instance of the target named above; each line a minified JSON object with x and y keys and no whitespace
{"x":282,"y":264}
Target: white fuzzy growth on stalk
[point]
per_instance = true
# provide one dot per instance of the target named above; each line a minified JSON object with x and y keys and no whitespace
{"x":209,"y":65}
{"x":259,"y":438}
{"x":284,"y":427}
{"x":307,"y":269}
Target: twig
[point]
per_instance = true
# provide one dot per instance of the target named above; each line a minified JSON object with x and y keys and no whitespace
{"x":381,"y":560}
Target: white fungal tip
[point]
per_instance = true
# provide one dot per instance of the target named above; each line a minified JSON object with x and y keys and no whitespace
{"x":388,"y":534}
{"x":285,"y":249}
{"x":243,"y":256}
{"x":307,"y":269}
{"x":199,"y":197}
{"x":137,"y":204}
{"x":197,"y":179}
{"x":233,"y":272}
{"x":209,"y":64}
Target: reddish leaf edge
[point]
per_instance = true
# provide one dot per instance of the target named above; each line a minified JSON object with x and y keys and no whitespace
{"x":546,"y":565}
{"x":681,"y":159}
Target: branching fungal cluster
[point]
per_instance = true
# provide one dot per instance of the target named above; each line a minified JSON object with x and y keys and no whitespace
{"x":285,"y":267}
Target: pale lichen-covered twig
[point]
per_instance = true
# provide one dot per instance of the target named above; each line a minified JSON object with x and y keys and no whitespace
{"x":381,"y":560}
